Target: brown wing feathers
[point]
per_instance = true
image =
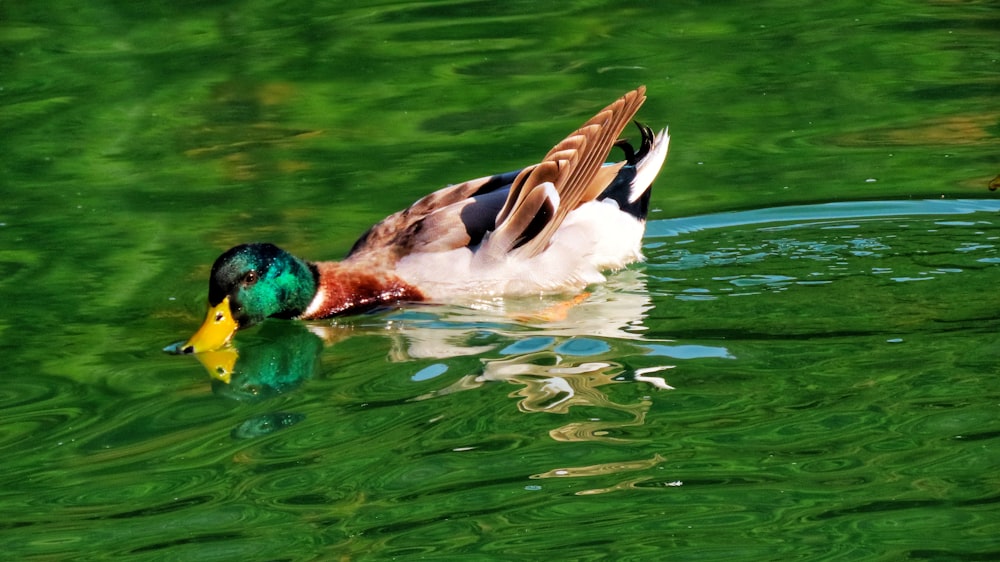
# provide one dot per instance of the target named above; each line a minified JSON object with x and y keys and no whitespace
{"x":540,"y":197}
{"x":574,"y":168}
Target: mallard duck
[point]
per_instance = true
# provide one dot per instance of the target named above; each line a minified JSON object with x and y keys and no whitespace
{"x":553,"y":226}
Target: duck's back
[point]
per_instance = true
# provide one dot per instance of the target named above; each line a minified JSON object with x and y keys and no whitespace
{"x":551,"y":226}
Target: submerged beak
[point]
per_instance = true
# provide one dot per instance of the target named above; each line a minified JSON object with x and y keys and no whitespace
{"x":218,"y":328}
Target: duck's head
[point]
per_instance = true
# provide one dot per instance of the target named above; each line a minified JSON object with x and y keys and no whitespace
{"x":249,"y":283}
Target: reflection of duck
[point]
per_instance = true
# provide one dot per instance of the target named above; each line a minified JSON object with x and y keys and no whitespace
{"x":557,"y":377}
{"x":615,"y":310}
{"x":281,"y":359}
{"x":550,"y":227}
{"x":557,"y":365}
{"x":265,"y":424}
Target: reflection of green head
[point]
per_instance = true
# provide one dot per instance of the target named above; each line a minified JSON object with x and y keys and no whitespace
{"x":280,"y":359}
{"x":265,"y":424}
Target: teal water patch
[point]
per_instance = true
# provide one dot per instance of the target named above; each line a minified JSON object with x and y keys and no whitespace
{"x":583,"y":347}
{"x":826,"y":215}
{"x":528,"y":345}
{"x":689,"y":351}
{"x":430,"y":372}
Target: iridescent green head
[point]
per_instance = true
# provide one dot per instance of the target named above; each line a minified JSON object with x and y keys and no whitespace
{"x":249,"y":283}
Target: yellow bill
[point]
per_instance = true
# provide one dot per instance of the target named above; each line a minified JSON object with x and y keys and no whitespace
{"x":215,"y":332}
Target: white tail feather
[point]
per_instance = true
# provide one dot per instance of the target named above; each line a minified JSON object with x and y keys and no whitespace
{"x":647,"y":168}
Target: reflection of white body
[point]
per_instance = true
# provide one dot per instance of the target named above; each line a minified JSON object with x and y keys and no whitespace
{"x":559,"y":360}
{"x":614,"y":310}
{"x":558,"y":352}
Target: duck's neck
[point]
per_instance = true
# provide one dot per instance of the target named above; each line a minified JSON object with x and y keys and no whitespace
{"x":296,"y":289}
{"x":349,"y":288}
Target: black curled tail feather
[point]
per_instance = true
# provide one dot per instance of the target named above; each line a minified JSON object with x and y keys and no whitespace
{"x":621,"y":189}
{"x":645,"y":145}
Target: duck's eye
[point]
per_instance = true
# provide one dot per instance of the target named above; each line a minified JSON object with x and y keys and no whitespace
{"x":250,"y":278}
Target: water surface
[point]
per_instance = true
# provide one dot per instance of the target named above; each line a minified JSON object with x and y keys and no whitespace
{"x":805,"y":367}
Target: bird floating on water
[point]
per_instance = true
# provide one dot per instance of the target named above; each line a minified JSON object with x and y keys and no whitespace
{"x":550,"y":227}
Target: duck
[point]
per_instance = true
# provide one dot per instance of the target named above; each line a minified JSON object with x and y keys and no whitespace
{"x":551,"y":227}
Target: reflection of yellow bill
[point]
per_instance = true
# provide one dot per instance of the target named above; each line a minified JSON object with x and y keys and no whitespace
{"x":215,"y":332}
{"x":219,"y":363}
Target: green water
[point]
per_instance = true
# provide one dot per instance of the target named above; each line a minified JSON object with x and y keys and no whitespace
{"x":806,"y":366}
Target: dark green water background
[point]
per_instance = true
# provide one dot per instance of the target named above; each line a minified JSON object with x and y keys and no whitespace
{"x":805,"y":368}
